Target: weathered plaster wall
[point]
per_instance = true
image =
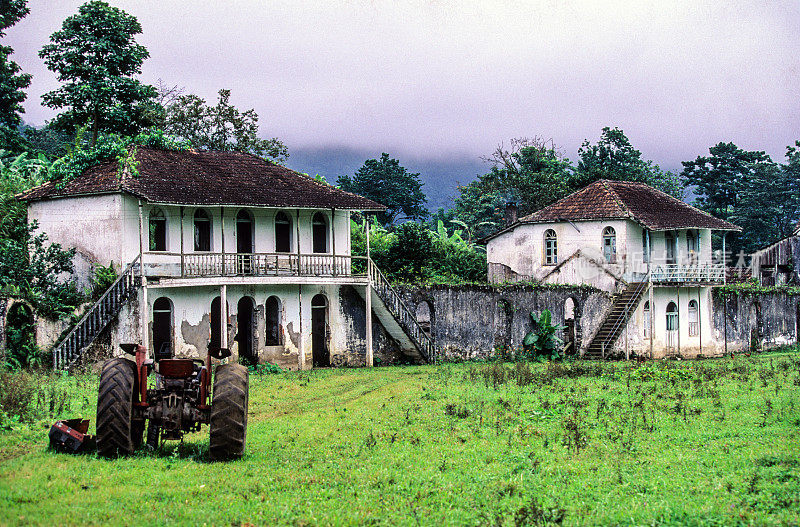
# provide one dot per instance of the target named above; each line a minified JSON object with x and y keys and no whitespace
{"x":519,"y":254}
{"x":93,"y":225}
{"x":471,"y":321}
{"x":772,"y":318}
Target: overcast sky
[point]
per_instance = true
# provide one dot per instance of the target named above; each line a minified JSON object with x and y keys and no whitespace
{"x":453,"y":79}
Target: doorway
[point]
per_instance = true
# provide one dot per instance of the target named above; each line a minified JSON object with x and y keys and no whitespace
{"x":244,"y":242}
{"x":320,"y":353}
{"x":162,"y":328}
{"x":672,"y":326}
{"x":245,"y":336}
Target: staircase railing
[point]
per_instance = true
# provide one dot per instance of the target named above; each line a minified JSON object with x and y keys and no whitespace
{"x":96,"y":318}
{"x":401,"y":313}
{"x":632,"y":302}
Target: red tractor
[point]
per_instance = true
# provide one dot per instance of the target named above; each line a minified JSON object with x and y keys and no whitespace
{"x":176,"y":403}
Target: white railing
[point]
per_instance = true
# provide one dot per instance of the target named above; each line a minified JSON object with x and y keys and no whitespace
{"x":697,"y":273}
{"x":97,"y":317}
{"x":269,"y":264}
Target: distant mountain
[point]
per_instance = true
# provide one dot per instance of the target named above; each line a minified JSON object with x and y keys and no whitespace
{"x":440,"y":175}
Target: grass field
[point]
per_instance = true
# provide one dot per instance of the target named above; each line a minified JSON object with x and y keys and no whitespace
{"x":667,"y":443}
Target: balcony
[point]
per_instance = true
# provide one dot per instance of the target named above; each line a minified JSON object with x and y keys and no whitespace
{"x":253,"y":265}
{"x":669,"y":274}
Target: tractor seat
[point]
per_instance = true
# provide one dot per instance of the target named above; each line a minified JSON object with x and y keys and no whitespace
{"x":176,"y":368}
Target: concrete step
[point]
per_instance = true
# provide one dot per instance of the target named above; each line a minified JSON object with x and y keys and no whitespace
{"x":391,"y":325}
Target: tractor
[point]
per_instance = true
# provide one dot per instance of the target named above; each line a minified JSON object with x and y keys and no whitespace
{"x":175,"y":403}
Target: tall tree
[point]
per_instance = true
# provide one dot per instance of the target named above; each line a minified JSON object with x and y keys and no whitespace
{"x":719,"y":178}
{"x":12,"y":81}
{"x":95,"y":57}
{"x":384,"y":180}
{"x":614,"y":157}
{"x":219,"y":127}
{"x":768,"y":208}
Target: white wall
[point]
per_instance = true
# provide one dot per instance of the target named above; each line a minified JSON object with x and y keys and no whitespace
{"x":93,"y":225}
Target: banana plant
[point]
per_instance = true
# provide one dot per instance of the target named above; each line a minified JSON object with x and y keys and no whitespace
{"x":542,"y":342}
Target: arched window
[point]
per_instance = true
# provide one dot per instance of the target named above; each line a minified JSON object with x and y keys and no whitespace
{"x":694,"y":319}
{"x":273,"y":322}
{"x":202,"y":230}
{"x":423,"y":316}
{"x":158,"y":230}
{"x":610,"y":244}
{"x":162,"y":328}
{"x":283,"y":233}
{"x":550,"y":247}
{"x":320,"y":233}
{"x":646,"y":320}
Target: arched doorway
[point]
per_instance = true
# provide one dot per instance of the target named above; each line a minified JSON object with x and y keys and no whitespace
{"x":215,"y":340}
{"x":245,"y":336}
{"x":202,"y":231}
{"x":21,"y":336}
{"x":244,"y":241}
{"x":672,"y":326}
{"x":273,"y":322}
{"x":755,"y":326}
{"x":162,"y":328}
{"x":570,"y":340}
{"x":423,"y":316}
{"x":320,"y":353}
{"x":502,"y":328}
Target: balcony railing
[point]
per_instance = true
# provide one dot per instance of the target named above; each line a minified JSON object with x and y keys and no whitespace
{"x":678,"y":273}
{"x":197,"y":265}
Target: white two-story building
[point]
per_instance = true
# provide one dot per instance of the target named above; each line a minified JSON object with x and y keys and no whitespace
{"x":652,"y":251}
{"x":223,"y":249}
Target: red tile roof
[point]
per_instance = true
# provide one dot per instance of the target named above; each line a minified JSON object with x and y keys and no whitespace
{"x":608,"y":199}
{"x":207,"y":178}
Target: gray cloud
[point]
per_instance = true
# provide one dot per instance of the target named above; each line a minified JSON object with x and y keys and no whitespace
{"x":443,"y":79}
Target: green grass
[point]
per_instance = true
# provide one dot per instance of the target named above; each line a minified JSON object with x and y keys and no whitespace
{"x":677,"y":443}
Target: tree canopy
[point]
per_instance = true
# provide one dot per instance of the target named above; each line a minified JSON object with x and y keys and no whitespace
{"x":385,"y":181}
{"x":95,"y":56}
{"x":12,"y":81}
{"x":218,"y":127}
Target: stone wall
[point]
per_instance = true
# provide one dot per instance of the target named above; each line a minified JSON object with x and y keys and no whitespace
{"x":766,"y":320}
{"x":471,"y":321}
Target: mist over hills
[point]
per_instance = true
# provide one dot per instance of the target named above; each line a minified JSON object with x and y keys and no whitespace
{"x":440,"y":176}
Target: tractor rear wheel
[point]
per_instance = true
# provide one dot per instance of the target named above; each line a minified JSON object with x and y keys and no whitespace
{"x":116,"y":430}
{"x":229,"y":412}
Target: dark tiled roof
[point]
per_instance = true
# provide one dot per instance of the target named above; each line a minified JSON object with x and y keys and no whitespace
{"x":207,"y":178}
{"x":607,"y":199}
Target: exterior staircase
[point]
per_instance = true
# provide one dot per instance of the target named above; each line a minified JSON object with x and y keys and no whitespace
{"x":616,"y":319}
{"x":397,"y":319}
{"x":67,"y":352}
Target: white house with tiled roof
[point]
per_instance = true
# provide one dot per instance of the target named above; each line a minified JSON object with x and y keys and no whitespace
{"x":224,"y":249}
{"x":652,"y":251}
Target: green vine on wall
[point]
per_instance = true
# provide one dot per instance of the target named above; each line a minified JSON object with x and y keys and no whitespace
{"x":752,"y":287}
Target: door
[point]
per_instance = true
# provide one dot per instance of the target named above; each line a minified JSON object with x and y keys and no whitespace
{"x":319,"y":332}
{"x":244,"y":242}
{"x":245,"y":336}
{"x":672,"y":326}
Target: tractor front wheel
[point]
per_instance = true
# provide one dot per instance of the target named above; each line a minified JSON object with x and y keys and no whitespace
{"x":229,"y":412}
{"x":116,"y":430}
